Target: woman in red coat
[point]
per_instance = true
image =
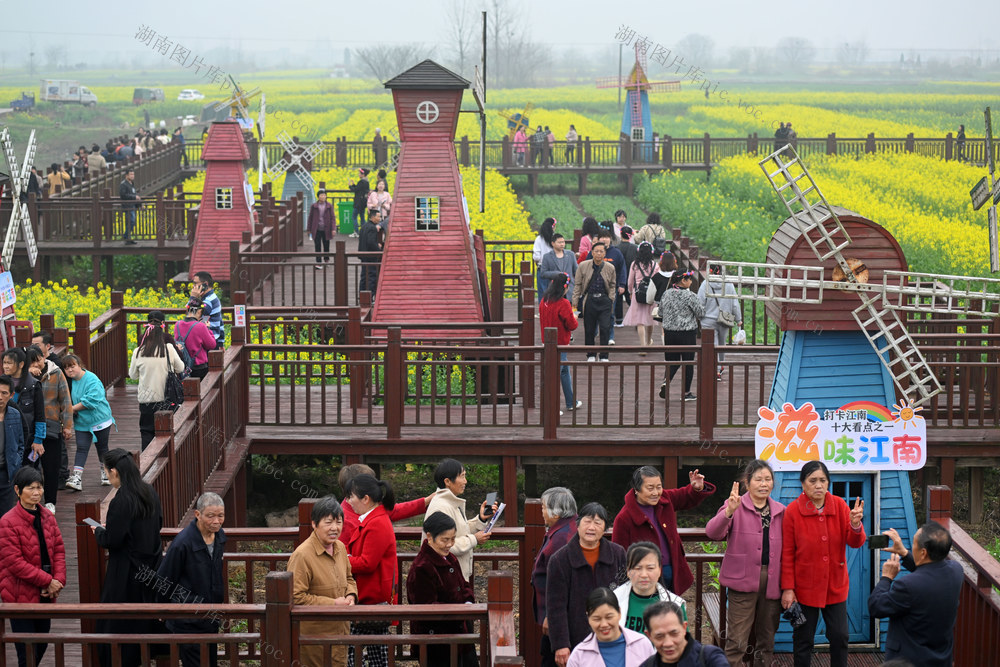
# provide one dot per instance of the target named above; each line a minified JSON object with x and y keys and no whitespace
{"x":818,"y":527}
{"x":436,"y":578}
{"x":32,"y":557}
{"x":649,"y":516}
{"x":554,"y":310}
{"x":372,"y":555}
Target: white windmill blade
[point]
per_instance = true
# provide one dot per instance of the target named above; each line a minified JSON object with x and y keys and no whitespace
{"x":896,"y":350}
{"x":261,"y":115}
{"x":784,"y":283}
{"x":278,"y":168}
{"x":286,"y":141}
{"x":315,"y":149}
{"x":19,"y":216}
{"x":922,"y":292}
{"x":306,"y":176}
{"x":807,"y":206}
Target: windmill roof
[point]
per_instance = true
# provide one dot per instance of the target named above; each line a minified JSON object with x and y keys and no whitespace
{"x":225,"y":142}
{"x":428,"y":75}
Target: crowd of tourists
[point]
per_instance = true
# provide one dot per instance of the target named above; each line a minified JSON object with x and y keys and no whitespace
{"x":623,"y":278}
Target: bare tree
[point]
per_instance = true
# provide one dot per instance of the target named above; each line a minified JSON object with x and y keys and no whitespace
{"x":460,"y":32}
{"x":386,"y":61}
{"x":795,"y":52}
{"x":698,"y":49}
{"x":852,"y":53}
{"x":513,"y":60}
{"x":55,"y":55}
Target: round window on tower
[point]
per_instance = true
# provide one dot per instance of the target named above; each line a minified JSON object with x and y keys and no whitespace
{"x":427,"y":112}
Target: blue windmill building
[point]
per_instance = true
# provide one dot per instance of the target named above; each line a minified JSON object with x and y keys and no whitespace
{"x":835,"y":283}
{"x":637,"y":123}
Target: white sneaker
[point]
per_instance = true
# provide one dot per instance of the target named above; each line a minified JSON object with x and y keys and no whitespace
{"x":606,"y":360}
{"x":591,"y":359}
{"x":104,"y":477}
{"x":75,"y":481}
{"x":611,"y":342}
{"x":579,"y":404}
{"x":50,"y":507}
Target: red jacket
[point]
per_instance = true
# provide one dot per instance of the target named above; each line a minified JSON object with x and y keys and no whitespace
{"x":372,"y":554}
{"x":813,"y":550}
{"x":558,"y":314}
{"x":21,"y":576}
{"x":410,"y":508}
{"x":632,"y":526}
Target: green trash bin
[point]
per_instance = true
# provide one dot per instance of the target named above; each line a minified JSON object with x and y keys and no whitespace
{"x":345,"y":215}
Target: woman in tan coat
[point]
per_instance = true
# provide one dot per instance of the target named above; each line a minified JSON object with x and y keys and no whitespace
{"x":322,"y":576}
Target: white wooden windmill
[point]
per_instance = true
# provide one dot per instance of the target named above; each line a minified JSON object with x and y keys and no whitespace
{"x":865,"y":275}
{"x":392,"y":160}
{"x":19,"y":217}
{"x":295,"y":154}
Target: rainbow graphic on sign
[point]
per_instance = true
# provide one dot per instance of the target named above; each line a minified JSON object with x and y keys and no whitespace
{"x":876,"y":412}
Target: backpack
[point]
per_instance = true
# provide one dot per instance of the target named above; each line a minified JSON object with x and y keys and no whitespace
{"x":659,"y":243}
{"x":184,"y":354}
{"x":642,"y":288}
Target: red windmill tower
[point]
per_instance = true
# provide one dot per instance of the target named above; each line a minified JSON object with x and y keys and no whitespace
{"x":429,"y":270}
{"x":226,"y":202}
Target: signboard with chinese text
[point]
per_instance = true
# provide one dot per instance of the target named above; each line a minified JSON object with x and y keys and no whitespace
{"x":861,"y":436}
{"x":7,"y":296}
{"x":239,"y":316}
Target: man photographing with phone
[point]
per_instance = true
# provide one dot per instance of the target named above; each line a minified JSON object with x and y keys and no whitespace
{"x":921,"y":606}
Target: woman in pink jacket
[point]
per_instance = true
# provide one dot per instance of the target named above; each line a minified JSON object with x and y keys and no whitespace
{"x":751,"y":569}
{"x":193,"y":334}
{"x":520,"y":146}
{"x":609,"y":643}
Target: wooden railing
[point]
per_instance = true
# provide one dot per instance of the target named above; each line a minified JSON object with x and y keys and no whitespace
{"x":154,"y":169}
{"x":664,"y":152}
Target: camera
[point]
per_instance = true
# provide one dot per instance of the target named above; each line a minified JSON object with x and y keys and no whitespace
{"x":795,"y":615}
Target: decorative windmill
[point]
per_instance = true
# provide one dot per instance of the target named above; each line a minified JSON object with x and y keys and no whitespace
{"x":393,"y":160}
{"x":845,"y":348}
{"x":261,"y":153}
{"x":19,"y":217}
{"x":882,"y":290}
{"x":637,"y":123}
{"x":516,"y":121}
{"x":297,"y":163}
{"x":238,"y":101}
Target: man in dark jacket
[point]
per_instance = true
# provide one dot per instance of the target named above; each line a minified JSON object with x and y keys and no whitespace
{"x":922,"y":606}
{"x":673,"y":643}
{"x":594,"y":288}
{"x":130,"y":202}
{"x":192,"y":568}
{"x":368,"y":242}
{"x":360,"y":190}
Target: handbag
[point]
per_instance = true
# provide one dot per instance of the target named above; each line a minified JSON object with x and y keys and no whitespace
{"x":727,"y":318}
{"x":173,"y":391}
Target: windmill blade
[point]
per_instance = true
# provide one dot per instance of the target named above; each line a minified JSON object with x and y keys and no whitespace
{"x":19,"y":215}
{"x":783,"y":283}
{"x":897,"y":350}
{"x":286,"y":141}
{"x":663,"y":86}
{"x":807,"y":206}
{"x":306,"y":176}
{"x":279,"y":167}
{"x":922,"y":292}
{"x":315,"y":149}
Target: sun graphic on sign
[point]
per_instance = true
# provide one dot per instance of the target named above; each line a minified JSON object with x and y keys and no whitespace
{"x":906,"y":413}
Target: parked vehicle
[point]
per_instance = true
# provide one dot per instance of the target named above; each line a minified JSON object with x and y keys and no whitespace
{"x":190,"y":94}
{"x":66,"y":90}
{"x":145,"y":95}
{"x":27,"y":101}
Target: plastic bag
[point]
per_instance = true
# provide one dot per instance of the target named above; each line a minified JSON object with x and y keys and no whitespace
{"x":740,"y":337}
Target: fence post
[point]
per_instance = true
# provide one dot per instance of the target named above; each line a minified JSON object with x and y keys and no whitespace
{"x":668,"y":151}
{"x":90,"y":568}
{"x":340,"y":274}
{"x":496,"y":290}
{"x":242,"y":381}
{"x":949,"y":146}
{"x":586,"y":152}
{"x":938,"y":503}
{"x":550,"y":384}
{"x":752,"y":143}
{"x":505,"y":149}
{"x":119,"y":324}
{"x":909,"y":143}
{"x":831,"y":143}
{"x":526,"y":338}
{"x":534,"y":535}
{"x":356,"y":371}
{"x":81,"y":338}
{"x":305,"y":519}
{"x":464,"y":151}
{"x":706,"y":150}
{"x":870,"y":143}
{"x":706,"y":385}
{"x":395,"y":384}
{"x":277,"y":640}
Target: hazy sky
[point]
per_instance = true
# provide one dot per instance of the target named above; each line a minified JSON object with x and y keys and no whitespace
{"x":894,"y":25}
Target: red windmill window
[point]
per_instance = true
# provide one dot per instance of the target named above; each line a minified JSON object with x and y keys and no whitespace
{"x":427,"y":214}
{"x":223,"y":197}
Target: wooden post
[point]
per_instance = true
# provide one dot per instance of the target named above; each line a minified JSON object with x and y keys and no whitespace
{"x":305,"y":519}
{"x":357,"y":373}
{"x":119,"y":323}
{"x":500,"y":603}
{"x":668,"y":151}
{"x":949,"y":146}
{"x":947,"y":468}
{"x":508,"y":480}
{"x":340,"y":274}
{"x":831,"y":143}
{"x":526,"y":338}
{"x":938,"y":503}
{"x":163,"y":423}
{"x":278,"y":621}
{"x":706,"y":150}
{"x":550,"y":384}
{"x":909,"y":143}
{"x":870,"y":143}
{"x":395,"y":384}
{"x":706,"y":385}
{"x":81,"y":338}
{"x":586,"y":152}
{"x":625,"y":150}
{"x":534,"y":534}
{"x":463,"y":151}
{"x":90,"y":569}
{"x":976,"y":496}
{"x":496,"y":290}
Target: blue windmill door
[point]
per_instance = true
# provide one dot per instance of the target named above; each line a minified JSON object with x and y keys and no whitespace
{"x":859,"y":561}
